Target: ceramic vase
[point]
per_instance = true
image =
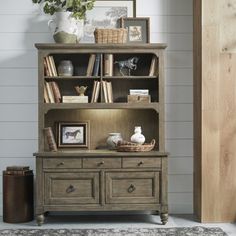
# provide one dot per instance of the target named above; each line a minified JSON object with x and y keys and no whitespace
{"x":65,"y":68}
{"x":138,"y":137}
{"x":65,"y":28}
{"x":112,"y":140}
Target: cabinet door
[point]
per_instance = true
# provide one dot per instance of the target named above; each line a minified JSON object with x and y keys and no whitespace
{"x":71,"y":188}
{"x":130,"y":187}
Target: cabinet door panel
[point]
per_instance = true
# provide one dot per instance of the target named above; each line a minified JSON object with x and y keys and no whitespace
{"x":71,"y":188}
{"x":130,"y":187}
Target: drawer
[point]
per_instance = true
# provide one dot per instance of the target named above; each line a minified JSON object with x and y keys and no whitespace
{"x":147,"y":162}
{"x":71,"y":188}
{"x":102,"y":162}
{"x":61,"y":163}
{"x":132,"y":187}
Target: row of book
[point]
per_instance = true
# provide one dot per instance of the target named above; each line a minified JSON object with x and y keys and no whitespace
{"x":93,"y":65}
{"x":52,"y":92}
{"x":106,"y":88}
{"x":49,"y":66}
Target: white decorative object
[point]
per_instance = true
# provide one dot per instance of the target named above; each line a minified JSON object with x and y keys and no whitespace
{"x":112,"y":140}
{"x":66,"y":29}
{"x":138,"y":137}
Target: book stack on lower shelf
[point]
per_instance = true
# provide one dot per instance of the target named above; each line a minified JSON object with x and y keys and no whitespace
{"x":96,"y":90}
{"x":139,"y":96}
{"x":18,"y":170}
{"x":52,"y":92}
{"x":107,"y":91}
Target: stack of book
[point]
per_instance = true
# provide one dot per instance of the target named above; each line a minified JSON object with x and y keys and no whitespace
{"x":138,"y":96}
{"x":153,"y":66}
{"x":75,"y":99}
{"x":18,"y":170}
{"x":49,"y":66}
{"x":93,"y":65}
{"x":96,"y":90}
{"x":108,"y":64}
{"x":49,"y":137}
{"x":52,"y":92}
{"x":107,"y":91}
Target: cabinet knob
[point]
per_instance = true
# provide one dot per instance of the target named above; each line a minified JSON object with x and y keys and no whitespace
{"x":101,"y":163}
{"x":70,"y":189}
{"x":60,"y":164}
{"x":131,"y":188}
{"x":140,"y":163}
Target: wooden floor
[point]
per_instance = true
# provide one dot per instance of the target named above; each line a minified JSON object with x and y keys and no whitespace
{"x":118,"y":221}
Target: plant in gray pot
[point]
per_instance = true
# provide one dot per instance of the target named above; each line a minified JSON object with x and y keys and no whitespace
{"x":68,"y":18}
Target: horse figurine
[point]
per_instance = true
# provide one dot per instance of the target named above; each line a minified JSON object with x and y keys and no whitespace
{"x":130,"y":64}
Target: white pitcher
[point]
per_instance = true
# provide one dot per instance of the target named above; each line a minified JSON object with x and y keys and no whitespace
{"x":66,"y":28}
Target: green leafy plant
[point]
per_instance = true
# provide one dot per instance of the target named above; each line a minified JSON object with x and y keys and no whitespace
{"x":77,"y":8}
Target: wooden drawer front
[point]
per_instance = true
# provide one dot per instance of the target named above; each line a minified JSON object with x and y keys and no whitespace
{"x":62,"y":163}
{"x":102,"y":162}
{"x":71,"y":188}
{"x":130,"y":187}
{"x":141,"y":162}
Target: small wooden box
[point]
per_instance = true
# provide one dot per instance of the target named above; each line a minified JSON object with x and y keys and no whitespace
{"x":139,"y":99}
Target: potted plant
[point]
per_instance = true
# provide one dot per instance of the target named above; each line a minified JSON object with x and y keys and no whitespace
{"x":69,"y":18}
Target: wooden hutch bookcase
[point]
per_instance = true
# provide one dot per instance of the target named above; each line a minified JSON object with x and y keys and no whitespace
{"x":100,"y":179}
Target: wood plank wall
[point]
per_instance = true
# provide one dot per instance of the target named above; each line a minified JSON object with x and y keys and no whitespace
{"x":22,"y":25}
{"x":215,"y":110}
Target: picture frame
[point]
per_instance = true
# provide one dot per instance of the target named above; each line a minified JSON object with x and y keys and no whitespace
{"x":138,"y":29}
{"x":73,"y":134}
{"x":106,"y":14}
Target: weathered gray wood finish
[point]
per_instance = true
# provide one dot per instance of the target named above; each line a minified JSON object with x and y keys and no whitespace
{"x":99,"y":179}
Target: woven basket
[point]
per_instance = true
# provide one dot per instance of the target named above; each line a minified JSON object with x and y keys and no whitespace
{"x":110,"y":35}
{"x":123,"y":146}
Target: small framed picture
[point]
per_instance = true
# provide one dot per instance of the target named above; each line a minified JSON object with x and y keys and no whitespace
{"x":138,"y":29}
{"x":73,"y":134}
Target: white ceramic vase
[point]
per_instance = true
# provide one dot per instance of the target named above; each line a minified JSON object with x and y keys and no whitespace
{"x":138,"y":137}
{"x":112,"y":140}
{"x":65,"y":28}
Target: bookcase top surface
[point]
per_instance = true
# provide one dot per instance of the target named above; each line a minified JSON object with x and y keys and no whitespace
{"x":48,"y":46}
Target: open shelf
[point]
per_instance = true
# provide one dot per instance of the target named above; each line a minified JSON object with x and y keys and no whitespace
{"x":54,"y":106}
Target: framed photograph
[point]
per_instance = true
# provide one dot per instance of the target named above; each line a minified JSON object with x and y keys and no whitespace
{"x":138,"y":29}
{"x":106,"y":14}
{"x":73,"y":134}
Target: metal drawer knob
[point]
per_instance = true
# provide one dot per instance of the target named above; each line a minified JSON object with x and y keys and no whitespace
{"x":60,"y":164}
{"x":131,"y":188}
{"x":140,"y":163}
{"x":70,"y":189}
{"x":101,"y":163}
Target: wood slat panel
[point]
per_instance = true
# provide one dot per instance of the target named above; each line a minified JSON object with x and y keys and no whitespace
{"x":19,"y":112}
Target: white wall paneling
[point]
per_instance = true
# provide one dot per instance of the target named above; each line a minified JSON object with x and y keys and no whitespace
{"x":22,"y":24}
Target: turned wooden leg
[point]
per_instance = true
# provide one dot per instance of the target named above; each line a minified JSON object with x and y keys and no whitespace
{"x":40,"y":219}
{"x":164,"y":218}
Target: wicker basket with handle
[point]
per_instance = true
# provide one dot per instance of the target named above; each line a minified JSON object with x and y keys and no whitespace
{"x":110,"y":35}
{"x":124,"y":146}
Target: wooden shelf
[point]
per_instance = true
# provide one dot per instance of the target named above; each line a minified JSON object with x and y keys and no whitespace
{"x":71,"y":77}
{"x":146,"y":77}
{"x":54,"y":106}
{"x":98,"y":153}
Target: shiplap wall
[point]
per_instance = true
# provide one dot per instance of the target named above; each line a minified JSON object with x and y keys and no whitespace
{"x":21,"y":25}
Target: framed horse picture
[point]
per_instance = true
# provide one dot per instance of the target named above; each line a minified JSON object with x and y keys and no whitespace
{"x":73,"y":134}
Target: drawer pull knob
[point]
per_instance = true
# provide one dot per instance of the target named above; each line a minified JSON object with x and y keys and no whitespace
{"x":61,"y":163}
{"x":140,"y":163}
{"x":101,"y":163}
{"x":131,"y":188}
{"x":70,"y":189}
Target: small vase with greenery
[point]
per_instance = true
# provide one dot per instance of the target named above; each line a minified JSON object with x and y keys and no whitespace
{"x":69,"y":18}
